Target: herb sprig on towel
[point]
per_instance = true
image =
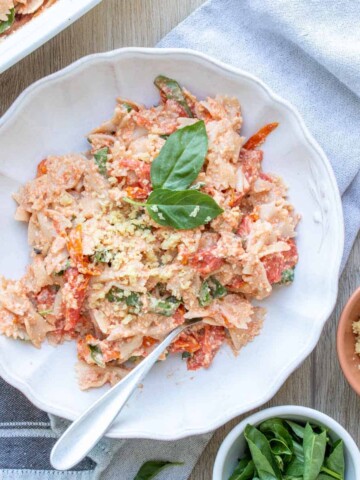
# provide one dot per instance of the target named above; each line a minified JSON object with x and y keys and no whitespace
{"x":173,"y":203}
{"x":284,"y":450}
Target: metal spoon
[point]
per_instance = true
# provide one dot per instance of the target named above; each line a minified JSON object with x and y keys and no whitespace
{"x":90,"y":427}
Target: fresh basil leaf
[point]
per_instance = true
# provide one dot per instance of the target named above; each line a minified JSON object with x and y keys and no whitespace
{"x":172,"y":91}
{"x":182,"y":210}
{"x":244,"y":470}
{"x":336,"y":461}
{"x":4,"y":25}
{"x":264,"y":461}
{"x":296,"y":428}
{"x":151,"y":468}
{"x":181,"y":158}
{"x":96,"y":355}
{"x":314,"y":452}
{"x":100,"y":158}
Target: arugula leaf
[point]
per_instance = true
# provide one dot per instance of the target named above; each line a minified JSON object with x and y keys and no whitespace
{"x":182,"y":210}
{"x":181,"y":158}
{"x":244,"y":471}
{"x":336,"y":461}
{"x":314,"y":452}
{"x":172,"y":91}
{"x":97,"y":355}
{"x":100,"y":158}
{"x":150,"y":469}
{"x":4,"y":25}
{"x":264,"y":462}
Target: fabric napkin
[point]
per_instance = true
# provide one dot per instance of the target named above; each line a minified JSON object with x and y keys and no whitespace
{"x":308,"y":51}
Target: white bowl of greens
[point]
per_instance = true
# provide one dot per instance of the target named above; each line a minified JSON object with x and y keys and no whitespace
{"x":290,"y":443}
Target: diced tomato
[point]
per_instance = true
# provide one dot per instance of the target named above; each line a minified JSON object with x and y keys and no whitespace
{"x":245,"y":226}
{"x":46,"y":297}
{"x":250,"y":161}
{"x":41,"y":168}
{"x":138,"y":193}
{"x":179,"y":315}
{"x":74,"y":246}
{"x":76,"y":284}
{"x":237,"y":283}
{"x":186,"y":342}
{"x":264,"y":176}
{"x":276,"y":263}
{"x":210,"y":340}
{"x":149,"y":342}
{"x":205,"y":262}
{"x":260,"y":136}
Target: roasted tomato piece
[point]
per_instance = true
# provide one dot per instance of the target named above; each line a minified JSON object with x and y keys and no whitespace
{"x":260,"y":136}
{"x":205,"y":262}
{"x":75,"y":249}
{"x":138,"y":173}
{"x":149,"y":342}
{"x":210,"y":340}
{"x":276,"y":263}
{"x":186,"y":342}
{"x":74,"y":293}
{"x":41,"y":168}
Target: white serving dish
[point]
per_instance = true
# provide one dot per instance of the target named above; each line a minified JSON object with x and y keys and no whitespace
{"x":40,"y":29}
{"x":234,"y":444}
{"x":53,"y":116}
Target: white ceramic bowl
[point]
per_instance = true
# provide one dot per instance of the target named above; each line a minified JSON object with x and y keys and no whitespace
{"x":53,"y":116}
{"x":234,"y":444}
{"x":40,"y":29}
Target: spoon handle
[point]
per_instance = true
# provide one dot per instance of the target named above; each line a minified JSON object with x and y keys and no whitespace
{"x":91,"y":426}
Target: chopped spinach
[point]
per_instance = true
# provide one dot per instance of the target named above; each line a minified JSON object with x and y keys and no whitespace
{"x":116,"y":294}
{"x":287,"y":276}
{"x":100,"y":158}
{"x":209,"y":290}
{"x":166,"y":307}
{"x":97,"y":355}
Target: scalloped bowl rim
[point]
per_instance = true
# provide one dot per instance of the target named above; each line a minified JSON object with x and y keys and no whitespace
{"x":78,"y":65}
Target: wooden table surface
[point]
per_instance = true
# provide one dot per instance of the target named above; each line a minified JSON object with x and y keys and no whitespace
{"x":318,"y":383}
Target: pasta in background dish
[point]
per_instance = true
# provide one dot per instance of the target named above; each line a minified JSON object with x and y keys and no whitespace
{"x":168,"y":218}
{"x":15,"y":13}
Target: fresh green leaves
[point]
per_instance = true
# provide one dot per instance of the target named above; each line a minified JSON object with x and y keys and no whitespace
{"x":286,"y":450}
{"x":4,"y":25}
{"x":173,"y":201}
{"x":100,"y":158}
{"x":209,"y":290}
{"x":181,"y":158}
{"x":244,"y":471}
{"x":314,"y":452}
{"x":117,"y":295}
{"x":171,"y":90}
{"x":182,"y":210}
{"x":150,"y":469}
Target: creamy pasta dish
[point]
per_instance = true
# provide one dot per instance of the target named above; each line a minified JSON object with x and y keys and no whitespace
{"x":14,"y":13}
{"x":168,"y":217}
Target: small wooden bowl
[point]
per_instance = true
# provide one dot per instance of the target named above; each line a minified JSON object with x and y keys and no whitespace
{"x":349,"y":360}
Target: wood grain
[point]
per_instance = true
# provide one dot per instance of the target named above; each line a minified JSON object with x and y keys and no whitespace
{"x":319,"y":382}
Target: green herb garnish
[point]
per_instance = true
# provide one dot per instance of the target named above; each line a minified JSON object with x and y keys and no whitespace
{"x":287,"y":276}
{"x":4,"y":25}
{"x":97,"y":355}
{"x":116,"y":294}
{"x":166,"y":307}
{"x":150,"y":469}
{"x":286,"y":450}
{"x":209,"y":290}
{"x":172,"y":91}
{"x":100,"y":158}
